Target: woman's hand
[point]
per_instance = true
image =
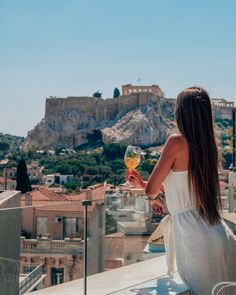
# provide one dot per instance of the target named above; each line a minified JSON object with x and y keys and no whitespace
{"x":134,"y":178}
{"x":158,"y":207}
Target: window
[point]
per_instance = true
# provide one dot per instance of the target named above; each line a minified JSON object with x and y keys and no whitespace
{"x":57,"y":276}
{"x":71,"y":226}
{"x":42,"y":225}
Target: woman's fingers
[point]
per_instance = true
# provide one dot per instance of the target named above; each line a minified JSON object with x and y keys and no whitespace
{"x":158,"y":207}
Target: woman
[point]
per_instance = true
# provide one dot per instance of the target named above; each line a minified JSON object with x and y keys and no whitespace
{"x":205,"y":247}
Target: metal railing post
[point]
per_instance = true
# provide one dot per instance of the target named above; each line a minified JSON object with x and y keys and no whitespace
{"x":85,"y":203}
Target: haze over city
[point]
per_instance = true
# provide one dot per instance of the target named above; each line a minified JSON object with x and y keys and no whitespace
{"x":65,"y":48}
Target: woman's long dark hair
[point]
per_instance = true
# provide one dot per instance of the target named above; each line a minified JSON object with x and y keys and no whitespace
{"x":194,"y":119}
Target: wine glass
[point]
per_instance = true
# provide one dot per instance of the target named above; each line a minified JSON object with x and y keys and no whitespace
{"x":132,"y":157}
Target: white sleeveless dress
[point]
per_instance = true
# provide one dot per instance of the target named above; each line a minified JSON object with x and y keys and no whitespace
{"x":205,"y":255}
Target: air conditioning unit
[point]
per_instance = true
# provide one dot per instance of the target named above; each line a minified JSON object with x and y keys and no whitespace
{"x":59,"y":219}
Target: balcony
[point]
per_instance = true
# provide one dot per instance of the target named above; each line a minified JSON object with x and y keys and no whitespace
{"x":47,"y":245}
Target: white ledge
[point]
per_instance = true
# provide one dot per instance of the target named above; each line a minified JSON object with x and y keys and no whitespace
{"x":147,"y":277}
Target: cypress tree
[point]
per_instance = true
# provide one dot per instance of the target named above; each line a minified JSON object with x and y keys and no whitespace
{"x":116,"y":93}
{"x":22,"y":177}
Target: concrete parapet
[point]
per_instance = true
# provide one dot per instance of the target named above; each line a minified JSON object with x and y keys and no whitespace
{"x":10,"y":227}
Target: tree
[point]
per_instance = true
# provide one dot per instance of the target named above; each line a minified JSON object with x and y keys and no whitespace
{"x":94,"y":138}
{"x":116,"y":93}
{"x":4,"y":146}
{"x":22,"y":177}
{"x":114,"y":150}
{"x":97,"y":94}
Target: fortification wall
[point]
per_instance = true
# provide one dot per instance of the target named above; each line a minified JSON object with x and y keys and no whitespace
{"x":99,"y":109}
{"x":107,"y":109}
{"x":86,"y":104}
{"x":225,"y":112}
{"x":54,"y":105}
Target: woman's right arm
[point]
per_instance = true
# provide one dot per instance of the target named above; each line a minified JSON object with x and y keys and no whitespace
{"x":163,"y":166}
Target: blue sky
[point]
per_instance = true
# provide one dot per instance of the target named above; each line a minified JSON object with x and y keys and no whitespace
{"x":75,"y":47}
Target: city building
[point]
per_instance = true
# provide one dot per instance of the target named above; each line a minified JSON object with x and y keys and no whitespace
{"x":221,"y":102}
{"x":224,"y":194}
{"x":129,"y":89}
{"x":7,"y":184}
{"x":33,"y":169}
{"x":52,"y":233}
{"x":35,"y":172}
{"x":232,"y":191}
{"x":58,"y":179}
{"x":9,"y":172}
{"x":129,"y":209}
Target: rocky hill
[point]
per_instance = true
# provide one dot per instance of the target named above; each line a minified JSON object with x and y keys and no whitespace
{"x":139,"y":119}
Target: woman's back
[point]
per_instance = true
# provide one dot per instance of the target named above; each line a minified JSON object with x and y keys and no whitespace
{"x":182,"y":154}
{"x":205,"y":254}
{"x":178,"y":196}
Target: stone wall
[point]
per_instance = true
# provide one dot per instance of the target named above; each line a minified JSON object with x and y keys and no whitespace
{"x":99,"y":109}
{"x":224,"y":112}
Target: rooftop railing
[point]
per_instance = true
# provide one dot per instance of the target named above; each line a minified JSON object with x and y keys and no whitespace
{"x":31,"y":279}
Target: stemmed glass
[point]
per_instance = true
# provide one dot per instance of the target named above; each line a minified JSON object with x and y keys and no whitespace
{"x":132,"y":157}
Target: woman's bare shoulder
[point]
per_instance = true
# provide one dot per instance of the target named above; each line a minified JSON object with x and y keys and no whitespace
{"x":177,"y":141}
{"x":179,"y":147}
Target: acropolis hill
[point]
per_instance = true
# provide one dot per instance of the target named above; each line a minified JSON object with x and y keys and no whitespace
{"x":140,"y":116}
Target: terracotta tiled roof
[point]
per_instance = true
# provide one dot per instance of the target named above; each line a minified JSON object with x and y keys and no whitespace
{"x":97,"y":191}
{"x":46,"y":196}
{"x":52,"y":196}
